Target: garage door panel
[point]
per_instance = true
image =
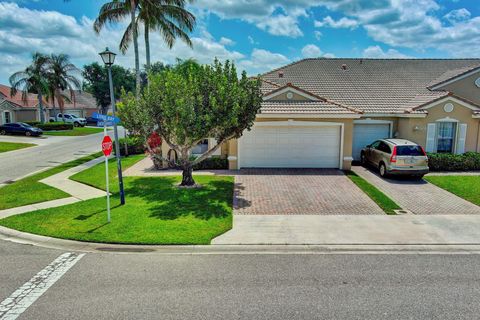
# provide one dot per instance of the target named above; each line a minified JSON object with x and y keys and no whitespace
{"x":291,"y":147}
{"x":364,"y":134}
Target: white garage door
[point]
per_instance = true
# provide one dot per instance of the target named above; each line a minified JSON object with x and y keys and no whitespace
{"x":364,"y":134}
{"x":290,"y":147}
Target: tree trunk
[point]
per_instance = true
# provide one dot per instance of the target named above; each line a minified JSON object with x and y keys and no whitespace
{"x":187,"y":177}
{"x":135,"y":47}
{"x":147,"y":46}
{"x":40,"y":107}
{"x":54,"y":108}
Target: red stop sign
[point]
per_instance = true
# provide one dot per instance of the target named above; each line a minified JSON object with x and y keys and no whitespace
{"x":107,"y":146}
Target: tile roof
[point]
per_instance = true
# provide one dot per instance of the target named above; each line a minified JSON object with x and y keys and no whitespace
{"x":451,"y":74}
{"x":370,"y":85}
{"x":305,"y":107}
{"x":30,"y":102}
{"x":83,"y":100}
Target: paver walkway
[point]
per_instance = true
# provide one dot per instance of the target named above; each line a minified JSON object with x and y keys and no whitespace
{"x":299,"y":192}
{"x":418,"y":196}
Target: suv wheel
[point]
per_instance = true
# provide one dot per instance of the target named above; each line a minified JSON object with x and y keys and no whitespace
{"x":383,"y":170}
{"x":28,"y":133}
{"x":3,"y":132}
{"x":363,"y":160}
{"x":76,"y":124}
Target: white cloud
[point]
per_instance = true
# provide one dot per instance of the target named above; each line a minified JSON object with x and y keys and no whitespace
{"x":226,"y":41}
{"x":311,"y":51}
{"x":318,"y":34}
{"x":251,"y":40}
{"x":281,"y":25}
{"x":455,"y":16}
{"x":263,"y":60}
{"x":377,"y":52}
{"x":329,"y":55}
{"x":341,"y":23}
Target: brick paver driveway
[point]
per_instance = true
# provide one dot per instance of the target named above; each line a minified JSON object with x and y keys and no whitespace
{"x":299,"y":191}
{"x":418,"y":196}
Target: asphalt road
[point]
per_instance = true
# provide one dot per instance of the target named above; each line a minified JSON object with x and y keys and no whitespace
{"x":284,"y":286}
{"x":50,"y":152}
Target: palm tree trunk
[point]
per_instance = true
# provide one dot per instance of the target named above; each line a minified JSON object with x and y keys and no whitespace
{"x":147,"y":45}
{"x":40,"y":107}
{"x":135,"y":47}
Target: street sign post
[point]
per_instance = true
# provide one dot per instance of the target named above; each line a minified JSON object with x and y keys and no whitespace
{"x":107,"y":146}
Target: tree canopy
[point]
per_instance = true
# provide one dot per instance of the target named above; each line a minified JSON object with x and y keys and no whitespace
{"x":189,"y":102}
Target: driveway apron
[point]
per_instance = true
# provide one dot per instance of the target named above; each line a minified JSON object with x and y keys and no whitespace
{"x":418,"y":196}
{"x":299,"y":192}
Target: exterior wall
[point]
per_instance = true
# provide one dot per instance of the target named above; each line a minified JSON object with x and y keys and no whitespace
{"x":283,"y":97}
{"x":466,"y":88}
{"x":415,"y":129}
{"x":394,"y":121}
{"x":347,"y":140}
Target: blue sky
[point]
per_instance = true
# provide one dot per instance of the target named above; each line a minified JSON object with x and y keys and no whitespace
{"x":258,"y":34}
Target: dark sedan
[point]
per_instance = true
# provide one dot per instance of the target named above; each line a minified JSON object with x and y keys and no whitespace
{"x":91,"y":121}
{"x":20,"y":128}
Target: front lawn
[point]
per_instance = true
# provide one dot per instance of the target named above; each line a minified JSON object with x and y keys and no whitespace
{"x":466,"y":187}
{"x":76,"y":131}
{"x":382,"y":200}
{"x":10,"y":146}
{"x":156,"y":212}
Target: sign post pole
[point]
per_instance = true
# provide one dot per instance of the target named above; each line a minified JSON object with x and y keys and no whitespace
{"x":107,"y":146}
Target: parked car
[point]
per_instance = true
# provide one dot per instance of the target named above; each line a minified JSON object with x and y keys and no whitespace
{"x":20,"y":128}
{"x":91,"y":121}
{"x":396,"y":157}
{"x":70,"y":118}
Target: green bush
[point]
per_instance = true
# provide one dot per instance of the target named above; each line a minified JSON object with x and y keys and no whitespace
{"x":55,"y":126}
{"x":135,"y":145}
{"x":32,"y":123}
{"x":212,"y":163}
{"x":454,"y":162}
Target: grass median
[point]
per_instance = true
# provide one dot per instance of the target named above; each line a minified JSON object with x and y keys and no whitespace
{"x":76,"y":131}
{"x":383,"y":201}
{"x":156,"y":211}
{"x":11,"y":146}
{"x":466,"y":187}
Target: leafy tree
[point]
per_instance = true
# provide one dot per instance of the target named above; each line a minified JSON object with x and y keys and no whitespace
{"x":61,"y":75}
{"x":189,"y":103}
{"x":96,"y":82}
{"x":33,"y":79}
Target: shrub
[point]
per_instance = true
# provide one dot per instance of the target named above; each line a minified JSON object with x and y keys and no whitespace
{"x":454,"y":162}
{"x":55,"y":126}
{"x":212,"y":163}
{"x":33,"y":123}
{"x":135,"y":145}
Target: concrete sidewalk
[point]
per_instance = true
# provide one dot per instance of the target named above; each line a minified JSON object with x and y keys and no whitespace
{"x":359,"y":230}
{"x":61,"y":181}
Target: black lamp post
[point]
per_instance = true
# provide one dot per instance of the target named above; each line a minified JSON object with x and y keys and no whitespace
{"x":108,"y":58}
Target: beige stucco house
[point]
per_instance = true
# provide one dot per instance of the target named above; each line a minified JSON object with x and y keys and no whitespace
{"x":321,"y":112}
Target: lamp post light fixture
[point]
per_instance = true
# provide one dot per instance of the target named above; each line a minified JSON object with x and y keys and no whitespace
{"x":108,"y":58}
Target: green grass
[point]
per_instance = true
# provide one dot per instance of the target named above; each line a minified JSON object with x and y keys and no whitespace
{"x":77,"y":131}
{"x":10,"y":146}
{"x":156,"y":211}
{"x":29,"y":190}
{"x":466,"y":187}
{"x":384,"y":202}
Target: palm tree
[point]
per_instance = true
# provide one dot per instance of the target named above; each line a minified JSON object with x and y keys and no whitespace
{"x":32,"y":80}
{"x":169,"y":17}
{"x":61,"y":76}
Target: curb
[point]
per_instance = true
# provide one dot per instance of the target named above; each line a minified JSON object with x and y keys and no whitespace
{"x":19,"y":237}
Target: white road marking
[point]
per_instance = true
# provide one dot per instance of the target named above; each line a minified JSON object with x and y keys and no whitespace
{"x":23,"y":297}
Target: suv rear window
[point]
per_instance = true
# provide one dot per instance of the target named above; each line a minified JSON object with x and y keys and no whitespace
{"x":409,"y":151}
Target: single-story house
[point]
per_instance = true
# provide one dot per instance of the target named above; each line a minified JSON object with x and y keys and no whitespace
{"x":15,"y":109}
{"x":321,"y":112}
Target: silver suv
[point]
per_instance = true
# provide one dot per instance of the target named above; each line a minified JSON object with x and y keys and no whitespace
{"x":396,"y":156}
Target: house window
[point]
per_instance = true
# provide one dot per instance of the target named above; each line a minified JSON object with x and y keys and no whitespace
{"x":7,"y":117}
{"x":200,"y":148}
{"x":446,"y":136}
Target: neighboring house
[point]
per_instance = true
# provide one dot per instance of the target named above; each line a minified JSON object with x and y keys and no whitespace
{"x":321,"y":112}
{"x":15,"y":109}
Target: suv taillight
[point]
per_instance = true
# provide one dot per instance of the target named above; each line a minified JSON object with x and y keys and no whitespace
{"x":393,"y":158}
{"x":424,"y":153}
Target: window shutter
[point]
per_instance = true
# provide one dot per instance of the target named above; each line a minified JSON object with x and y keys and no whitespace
{"x":431,"y":133}
{"x":212,"y":143}
{"x":462,"y":134}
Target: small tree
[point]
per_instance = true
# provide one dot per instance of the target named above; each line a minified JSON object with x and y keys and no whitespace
{"x":190,"y":102}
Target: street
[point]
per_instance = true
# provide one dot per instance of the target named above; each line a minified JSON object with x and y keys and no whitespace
{"x":50,"y":152}
{"x":248,"y":286}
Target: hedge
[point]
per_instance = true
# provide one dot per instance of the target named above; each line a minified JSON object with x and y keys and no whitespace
{"x":33,"y":123}
{"x":135,"y":145}
{"x":212,"y":163}
{"x":55,"y":126}
{"x":454,"y":162}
